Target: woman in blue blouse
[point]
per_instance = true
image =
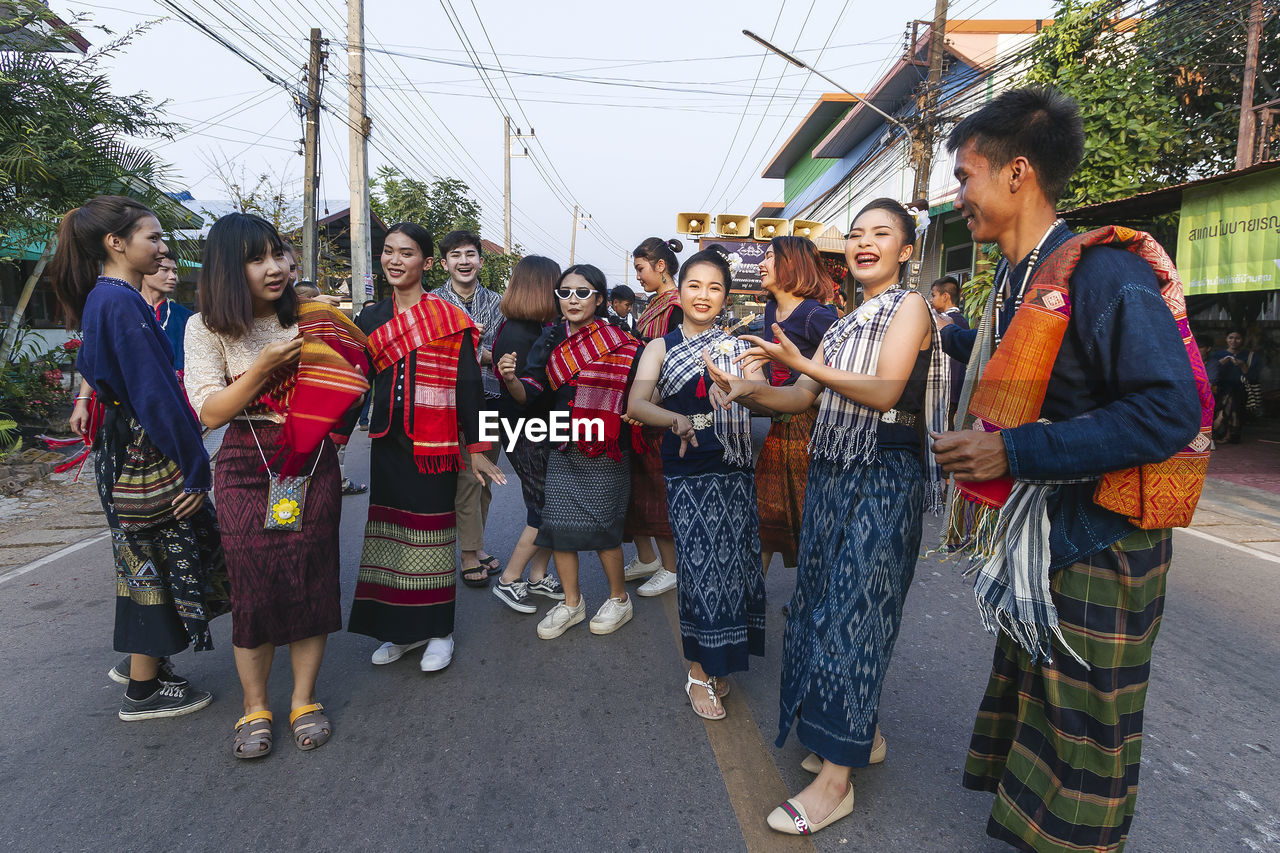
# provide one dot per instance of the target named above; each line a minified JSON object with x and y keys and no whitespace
{"x":170,"y":579}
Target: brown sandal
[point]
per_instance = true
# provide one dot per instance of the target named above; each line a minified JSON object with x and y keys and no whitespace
{"x":250,"y":739}
{"x":310,"y":723}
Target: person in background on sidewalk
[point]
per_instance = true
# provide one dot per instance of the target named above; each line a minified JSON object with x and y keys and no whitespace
{"x":879,"y":371}
{"x":170,"y":575}
{"x":944,"y":296}
{"x":362,"y":423}
{"x":463,"y":257}
{"x":1232,"y":368}
{"x":427,"y":392}
{"x":584,"y":366}
{"x":621,"y":300}
{"x":529,"y":305}
{"x":1062,"y":396}
{"x":797,"y":287}
{"x":243,"y":372}
{"x":171,"y":316}
{"x":706,"y":459}
{"x":656,"y":267}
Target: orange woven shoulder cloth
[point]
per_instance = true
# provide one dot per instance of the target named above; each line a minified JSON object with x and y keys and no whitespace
{"x":434,"y":330}
{"x":1012,"y":389}
{"x":318,"y":391}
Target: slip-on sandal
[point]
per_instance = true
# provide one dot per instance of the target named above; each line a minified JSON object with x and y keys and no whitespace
{"x":253,"y":732}
{"x":479,"y":582}
{"x":879,"y":749}
{"x":790,"y":819}
{"x":310,"y":723}
{"x":492,"y":565}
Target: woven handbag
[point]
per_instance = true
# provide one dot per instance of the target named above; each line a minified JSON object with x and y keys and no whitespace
{"x":147,"y":485}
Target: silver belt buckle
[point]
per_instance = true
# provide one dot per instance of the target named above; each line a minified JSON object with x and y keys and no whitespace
{"x":702,"y":420}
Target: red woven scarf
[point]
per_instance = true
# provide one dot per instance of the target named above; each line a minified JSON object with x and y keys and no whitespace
{"x":596,"y":360}
{"x":433,"y":329}
{"x":655,"y":320}
{"x":1012,"y":388}
{"x":318,"y":391}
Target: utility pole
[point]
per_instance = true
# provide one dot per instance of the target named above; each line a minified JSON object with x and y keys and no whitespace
{"x":361,"y":249}
{"x":507,"y":136}
{"x":573,"y":237}
{"x":923,"y":139}
{"x":311,"y":178}
{"x":1245,"y":142}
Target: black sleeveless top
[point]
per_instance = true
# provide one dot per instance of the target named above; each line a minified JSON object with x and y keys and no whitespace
{"x":901,"y":436}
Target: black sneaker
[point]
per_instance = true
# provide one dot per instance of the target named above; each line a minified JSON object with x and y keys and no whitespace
{"x":549,"y":587}
{"x":515,"y":595}
{"x":120,"y":672}
{"x":171,"y":700}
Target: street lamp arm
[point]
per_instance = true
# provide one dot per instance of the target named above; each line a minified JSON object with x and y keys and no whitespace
{"x":796,"y":62}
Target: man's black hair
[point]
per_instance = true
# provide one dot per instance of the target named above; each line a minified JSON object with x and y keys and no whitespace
{"x":455,"y":239}
{"x":950,"y":286}
{"x":1036,"y":122}
{"x":622,"y":292}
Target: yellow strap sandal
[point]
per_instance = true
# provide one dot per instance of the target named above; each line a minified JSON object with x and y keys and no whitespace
{"x":310,"y":724}
{"x":253,"y":735}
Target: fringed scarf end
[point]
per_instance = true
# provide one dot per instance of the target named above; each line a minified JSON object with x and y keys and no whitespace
{"x":437,"y":463}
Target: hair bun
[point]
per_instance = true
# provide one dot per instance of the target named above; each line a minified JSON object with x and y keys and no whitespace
{"x":675,"y":245}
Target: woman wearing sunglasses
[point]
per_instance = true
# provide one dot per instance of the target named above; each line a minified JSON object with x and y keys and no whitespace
{"x":584,"y":365}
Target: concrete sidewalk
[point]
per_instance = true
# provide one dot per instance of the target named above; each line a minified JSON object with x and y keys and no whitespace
{"x":1240,"y":515}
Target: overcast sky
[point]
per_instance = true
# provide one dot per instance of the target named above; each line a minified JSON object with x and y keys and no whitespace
{"x":641,"y":110}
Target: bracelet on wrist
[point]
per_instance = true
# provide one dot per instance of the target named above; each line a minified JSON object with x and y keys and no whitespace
{"x":84,"y":397}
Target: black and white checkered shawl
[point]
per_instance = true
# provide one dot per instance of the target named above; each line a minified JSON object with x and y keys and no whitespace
{"x":683,"y":363}
{"x":485,"y":310}
{"x":846,"y":432}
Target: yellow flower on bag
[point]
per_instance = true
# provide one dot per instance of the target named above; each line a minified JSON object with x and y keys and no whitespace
{"x":285,"y":511}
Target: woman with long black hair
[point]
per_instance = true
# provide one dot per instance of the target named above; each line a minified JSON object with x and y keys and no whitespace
{"x":152,"y":468}
{"x":250,"y":369}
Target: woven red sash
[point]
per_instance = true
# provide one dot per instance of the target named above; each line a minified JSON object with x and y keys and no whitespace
{"x":596,"y":360}
{"x":328,"y":379}
{"x":1012,"y":388}
{"x":655,"y":320}
{"x":433,"y":329}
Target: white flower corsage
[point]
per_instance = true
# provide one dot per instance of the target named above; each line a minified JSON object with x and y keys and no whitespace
{"x":867,"y":310}
{"x":723,"y":347}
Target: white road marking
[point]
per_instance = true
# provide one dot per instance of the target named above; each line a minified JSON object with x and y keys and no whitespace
{"x":1252,"y":552}
{"x":49,"y":558}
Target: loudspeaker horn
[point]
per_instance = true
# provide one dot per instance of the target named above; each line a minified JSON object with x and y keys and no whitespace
{"x":732,"y":225}
{"x":807,"y":228}
{"x":692,"y":223}
{"x":767,"y":229}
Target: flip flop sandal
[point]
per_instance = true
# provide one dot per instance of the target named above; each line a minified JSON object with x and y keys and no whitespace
{"x":350,"y":488}
{"x":310,"y":723}
{"x":492,"y":564}
{"x":710,"y":686}
{"x":479,"y":582}
{"x":253,"y":732}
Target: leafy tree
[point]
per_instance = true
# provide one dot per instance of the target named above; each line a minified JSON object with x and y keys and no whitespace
{"x":1159,"y":95}
{"x":444,"y":205}
{"x":63,"y":140}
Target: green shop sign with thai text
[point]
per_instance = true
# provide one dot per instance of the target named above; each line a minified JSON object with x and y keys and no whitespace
{"x":1229,"y":235}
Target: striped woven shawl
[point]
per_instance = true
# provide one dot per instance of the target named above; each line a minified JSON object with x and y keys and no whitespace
{"x":596,"y":360}
{"x":433,"y":329}
{"x":655,"y":320}
{"x":318,"y":391}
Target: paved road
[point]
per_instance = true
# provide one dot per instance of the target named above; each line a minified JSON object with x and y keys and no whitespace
{"x":587,"y":743}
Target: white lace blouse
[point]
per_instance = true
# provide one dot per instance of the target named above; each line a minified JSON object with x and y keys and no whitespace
{"x":212,"y":359}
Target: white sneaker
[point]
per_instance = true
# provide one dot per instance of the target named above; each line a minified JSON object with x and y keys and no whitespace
{"x":561,"y":618}
{"x":637,"y":569}
{"x":611,"y":616}
{"x":438,"y":654}
{"x":391,"y":652}
{"x":662,"y":581}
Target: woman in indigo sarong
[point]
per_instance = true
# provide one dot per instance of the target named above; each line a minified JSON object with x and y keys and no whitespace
{"x":427,"y":392}
{"x":880,"y":374}
{"x":706,"y":459}
{"x":656,"y":267}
